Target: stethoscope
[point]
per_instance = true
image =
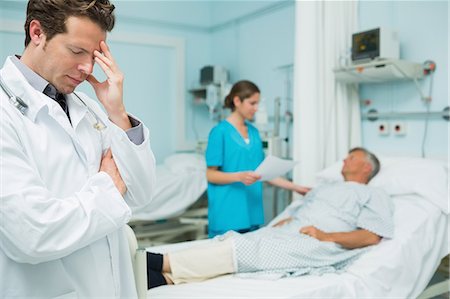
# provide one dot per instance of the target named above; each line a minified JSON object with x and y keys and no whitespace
{"x":99,"y":125}
{"x":23,"y":107}
{"x":16,"y":101}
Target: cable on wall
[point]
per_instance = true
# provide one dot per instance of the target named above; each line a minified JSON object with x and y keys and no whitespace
{"x":428,"y":69}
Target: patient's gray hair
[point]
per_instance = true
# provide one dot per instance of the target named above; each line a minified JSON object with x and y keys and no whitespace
{"x":371,"y":158}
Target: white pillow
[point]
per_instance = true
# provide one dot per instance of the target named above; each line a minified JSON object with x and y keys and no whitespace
{"x":185,"y":162}
{"x":397,"y":176}
{"x":331,"y":174}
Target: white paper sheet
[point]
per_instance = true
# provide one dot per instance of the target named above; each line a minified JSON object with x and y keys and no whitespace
{"x":273,"y":167}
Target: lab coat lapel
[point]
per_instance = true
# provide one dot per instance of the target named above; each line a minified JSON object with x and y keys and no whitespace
{"x":20,"y":87}
{"x":38,"y":103}
{"x":61,"y":118}
{"x":77,"y":110}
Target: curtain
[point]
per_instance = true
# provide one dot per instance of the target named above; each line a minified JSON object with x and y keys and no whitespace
{"x":327,"y":120}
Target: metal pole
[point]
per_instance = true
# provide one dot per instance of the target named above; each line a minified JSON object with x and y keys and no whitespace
{"x":276,"y":117}
{"x":374,"y":115}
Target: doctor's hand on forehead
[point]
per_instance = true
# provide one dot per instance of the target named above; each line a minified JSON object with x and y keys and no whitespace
{"x":110,"y":91}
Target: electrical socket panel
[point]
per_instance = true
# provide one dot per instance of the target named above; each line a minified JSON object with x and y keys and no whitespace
{"x":399,"y":128}
{"x":383,"y":128}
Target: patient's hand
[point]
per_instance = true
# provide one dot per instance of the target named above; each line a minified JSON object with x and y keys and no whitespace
{"x":282,"y":222}
{"x":314,"y":232}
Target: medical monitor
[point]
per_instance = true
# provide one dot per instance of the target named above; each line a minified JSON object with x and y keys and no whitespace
{"x":378,"y":43}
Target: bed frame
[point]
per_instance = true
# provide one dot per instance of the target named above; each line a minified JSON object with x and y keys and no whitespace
{"x":139,"y":261}
{"x":191,"y":225}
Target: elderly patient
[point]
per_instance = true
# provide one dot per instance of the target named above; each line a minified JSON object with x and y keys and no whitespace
{"x":332,"y":226}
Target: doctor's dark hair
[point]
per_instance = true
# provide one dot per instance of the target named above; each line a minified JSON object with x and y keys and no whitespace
{"x":371,"y":158}
{"x":243,"y":90}
{"x":52,"y":14}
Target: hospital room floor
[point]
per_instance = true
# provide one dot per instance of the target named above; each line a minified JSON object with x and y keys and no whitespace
{"x":436,"y":279}
{"x":441,"y":274}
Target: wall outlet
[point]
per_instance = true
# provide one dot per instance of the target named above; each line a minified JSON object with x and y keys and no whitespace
{"x":399,"y":128}
{"x":383,"y":128}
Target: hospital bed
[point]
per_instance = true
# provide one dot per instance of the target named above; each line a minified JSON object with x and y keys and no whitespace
{"x":400,"y":267}
{"x":178,"y":208}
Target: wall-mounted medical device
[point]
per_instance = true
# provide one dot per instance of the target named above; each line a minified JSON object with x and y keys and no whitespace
{"x":212,"y":89}
{"x":378,"y":43}
{"x":213,"y":74}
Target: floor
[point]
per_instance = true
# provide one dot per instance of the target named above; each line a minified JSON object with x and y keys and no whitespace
{"x":441,"y":275}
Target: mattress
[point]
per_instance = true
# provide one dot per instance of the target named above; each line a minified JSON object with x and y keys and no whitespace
{"x":180,"y":181}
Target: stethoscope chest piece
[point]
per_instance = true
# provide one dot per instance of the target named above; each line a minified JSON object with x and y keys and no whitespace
{"x":99,"y":125}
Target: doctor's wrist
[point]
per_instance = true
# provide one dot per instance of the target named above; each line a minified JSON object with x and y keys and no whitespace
{"x":122,"y":120}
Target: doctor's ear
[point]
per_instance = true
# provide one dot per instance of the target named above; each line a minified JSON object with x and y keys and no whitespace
{"x":37,"y":34}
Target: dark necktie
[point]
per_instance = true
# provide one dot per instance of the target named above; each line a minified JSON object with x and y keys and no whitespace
{"x":59,"y":98}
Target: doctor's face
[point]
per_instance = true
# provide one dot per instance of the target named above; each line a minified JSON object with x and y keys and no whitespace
{"x":247,"y":107}
{"x":68,"y":58}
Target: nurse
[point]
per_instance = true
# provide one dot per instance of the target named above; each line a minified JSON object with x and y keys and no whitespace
{"x":234,"y":151}
{"x":70,"y":171}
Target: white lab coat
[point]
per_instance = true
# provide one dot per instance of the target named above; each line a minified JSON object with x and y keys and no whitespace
{"x":61,"y":221}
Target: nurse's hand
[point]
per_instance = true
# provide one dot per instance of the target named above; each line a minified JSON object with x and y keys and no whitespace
{"x":248,"y":177}
{"x":110,"y":91}
{"x":301,"y":190}
{"x":109,"y":166}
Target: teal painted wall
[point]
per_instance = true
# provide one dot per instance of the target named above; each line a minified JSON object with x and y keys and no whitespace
{"x":423,"y":30}
{"x":253,"y":39}
{"x":250,"y":38}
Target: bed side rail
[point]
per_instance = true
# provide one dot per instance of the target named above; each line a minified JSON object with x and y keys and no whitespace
{"x":139,"y":260}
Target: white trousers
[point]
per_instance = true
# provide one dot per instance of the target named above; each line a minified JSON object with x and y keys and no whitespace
{"x":202,"y":262}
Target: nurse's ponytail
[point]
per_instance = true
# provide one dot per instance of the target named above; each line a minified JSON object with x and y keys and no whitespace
{"x":243,"y":90}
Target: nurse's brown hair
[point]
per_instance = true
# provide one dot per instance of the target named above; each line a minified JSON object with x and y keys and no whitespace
{"x":243,"y":90}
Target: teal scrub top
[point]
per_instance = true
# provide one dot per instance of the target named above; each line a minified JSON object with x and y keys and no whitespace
{"x":234,"y":206}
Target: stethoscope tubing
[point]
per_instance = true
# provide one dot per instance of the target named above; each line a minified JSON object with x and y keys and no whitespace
{"x":16,"y":101}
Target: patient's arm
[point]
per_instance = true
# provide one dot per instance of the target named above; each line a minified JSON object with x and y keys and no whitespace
{"x":288,"y":185}
{"x":354,"y":239}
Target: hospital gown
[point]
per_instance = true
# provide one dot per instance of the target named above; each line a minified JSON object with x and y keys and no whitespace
{"x":339,"y":207}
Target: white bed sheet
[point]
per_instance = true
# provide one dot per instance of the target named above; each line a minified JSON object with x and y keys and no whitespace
{"x":396,"y":268}
{"x":180,"y":181}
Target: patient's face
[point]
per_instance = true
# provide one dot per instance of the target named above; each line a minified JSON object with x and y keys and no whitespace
{"x":355,"y":163}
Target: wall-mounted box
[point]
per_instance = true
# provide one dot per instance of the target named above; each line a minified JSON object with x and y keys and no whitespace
{"x":213,"y":74}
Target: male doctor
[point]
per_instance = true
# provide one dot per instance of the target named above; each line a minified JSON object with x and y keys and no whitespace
{"x":70,"y":173}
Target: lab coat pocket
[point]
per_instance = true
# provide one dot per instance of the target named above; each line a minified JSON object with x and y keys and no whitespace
{"x":67,"y":296}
